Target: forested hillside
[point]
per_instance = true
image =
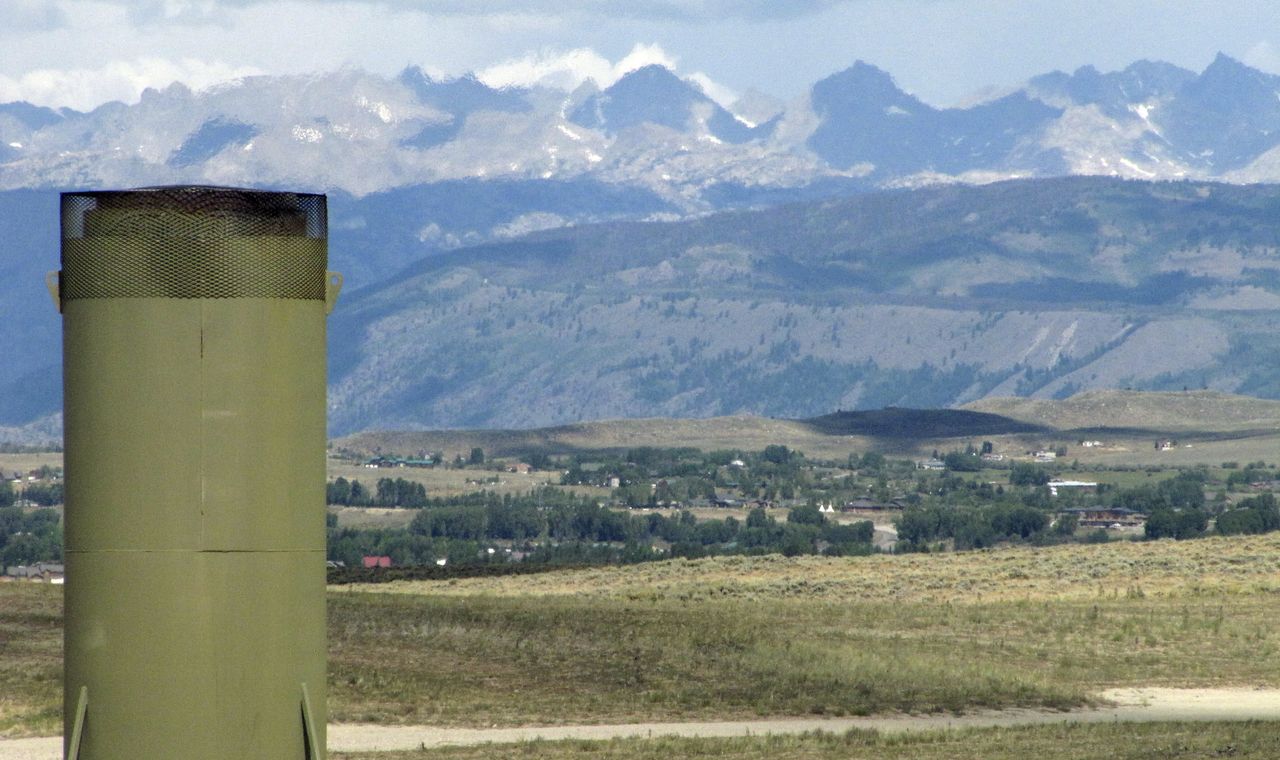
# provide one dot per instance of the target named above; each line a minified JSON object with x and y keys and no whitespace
{"x":921,"y":298}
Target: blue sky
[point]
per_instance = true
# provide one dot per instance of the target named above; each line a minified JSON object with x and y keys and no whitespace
{"x":84,"y":52}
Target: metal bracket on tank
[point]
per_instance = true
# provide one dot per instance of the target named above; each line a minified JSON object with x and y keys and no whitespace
{"x":332,"y":287}
{"x":314,"y":751}
{"x":77,"y":728}
{"x":53,"y":281}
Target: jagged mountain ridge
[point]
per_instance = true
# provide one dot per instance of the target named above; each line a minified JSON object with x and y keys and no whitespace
{"x":363,"y":133}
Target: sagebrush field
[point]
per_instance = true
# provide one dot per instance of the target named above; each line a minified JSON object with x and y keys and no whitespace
{"x":765,"y":636}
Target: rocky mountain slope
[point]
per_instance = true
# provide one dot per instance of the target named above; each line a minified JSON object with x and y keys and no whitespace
{"x":931,"y":297}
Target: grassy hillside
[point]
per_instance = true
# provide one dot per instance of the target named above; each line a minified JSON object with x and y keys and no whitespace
{"x":1223,"y":427}
{"x":1193,"y":411}
{"x":708,"y":434}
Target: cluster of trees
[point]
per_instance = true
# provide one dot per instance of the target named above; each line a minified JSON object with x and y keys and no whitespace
{"x":28,"y":537}
{"x":553,"y":525}
{"x":1176,"y":523}
{"x":1254,"y":472}
{"x":388,"y":493}
{"x":1028,"y":474}
{"x":683,"y":473}
{"x":974,"y":515}
{"x":1258,"y":514}
{"x":972,"y":527}
{"x":44,"y":494}
{"x":1184,"y":491}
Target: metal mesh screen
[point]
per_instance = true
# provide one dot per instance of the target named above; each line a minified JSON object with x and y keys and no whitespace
{"x":193,"y":242}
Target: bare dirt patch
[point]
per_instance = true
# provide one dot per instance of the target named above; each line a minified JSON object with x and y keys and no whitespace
{"x":1130,"y":705}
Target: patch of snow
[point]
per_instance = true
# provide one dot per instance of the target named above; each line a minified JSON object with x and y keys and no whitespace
{"x":381,"y":110}
{"x":307,"y":134}
{"x":15,"y":145}
{"x":1063,"y":342}
{"x":430,"y":233}
{"x":594,"y":157}
{"x":569,"y":133}
{"x":1137,"y":168}
{"x":527,"y":223}
{"x":895,"y":111}
{"x":1041,"y":334}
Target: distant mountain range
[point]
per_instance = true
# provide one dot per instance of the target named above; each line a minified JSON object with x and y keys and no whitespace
{"x":361,"y":133}
{"x":918,"y":298}
{"x":529,"y":256}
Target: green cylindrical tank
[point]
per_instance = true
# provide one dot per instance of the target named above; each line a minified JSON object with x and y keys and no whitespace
{"x":194,"y":417}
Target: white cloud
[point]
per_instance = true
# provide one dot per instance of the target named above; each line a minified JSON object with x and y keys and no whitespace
{"x":713,"y":89}
{"x":569,"y":69}
{"x":1263,"y":55}
{"x":32,"y":15}
{"x":84,"y":89}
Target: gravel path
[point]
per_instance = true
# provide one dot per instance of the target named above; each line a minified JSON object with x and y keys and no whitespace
{"x":1134,"y":705}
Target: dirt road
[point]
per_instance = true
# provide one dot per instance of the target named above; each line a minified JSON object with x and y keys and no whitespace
{"x":1133,"y":705}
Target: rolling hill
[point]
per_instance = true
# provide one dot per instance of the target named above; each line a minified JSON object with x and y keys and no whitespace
{"x":1222,"y":426}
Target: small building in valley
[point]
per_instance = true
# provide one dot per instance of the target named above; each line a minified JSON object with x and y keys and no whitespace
{"x":1078,"y":485}
{"x":1107,"y":517}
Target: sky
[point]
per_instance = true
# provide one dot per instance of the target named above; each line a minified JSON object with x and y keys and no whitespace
{"x":81,"y":53}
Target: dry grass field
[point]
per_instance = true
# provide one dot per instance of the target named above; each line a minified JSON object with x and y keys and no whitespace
{"x":763,"y":636}
{"x":30,"y":659}
{"x":24,"y":463}
{"x":737,"y":637}
{"x":1210,"y":568}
